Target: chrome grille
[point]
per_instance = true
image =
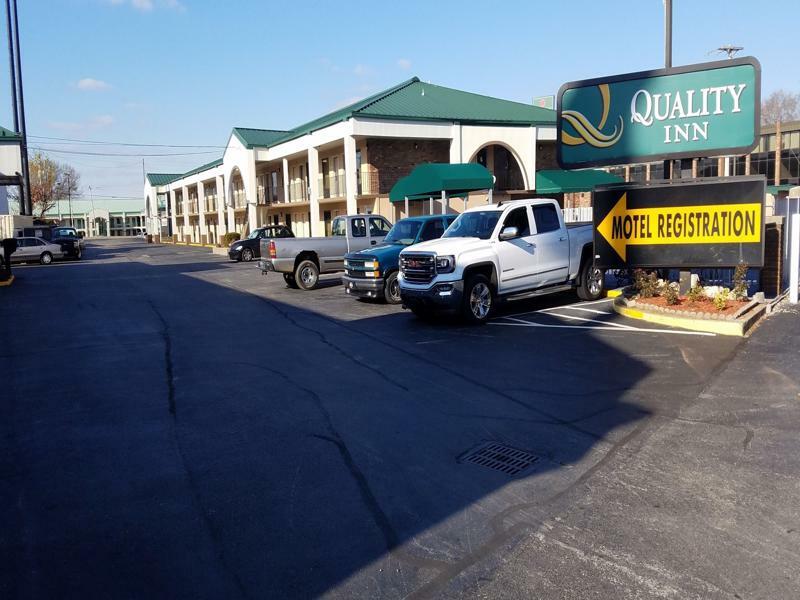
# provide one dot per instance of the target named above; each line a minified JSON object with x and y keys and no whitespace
{"x":418,"y":268}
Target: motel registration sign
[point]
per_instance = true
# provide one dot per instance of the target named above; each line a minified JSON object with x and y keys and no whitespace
{"x":682,"y":225}
{"x":709,"y":109}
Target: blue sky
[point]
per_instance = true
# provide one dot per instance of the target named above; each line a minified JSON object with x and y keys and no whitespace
{"x":186,"y":71}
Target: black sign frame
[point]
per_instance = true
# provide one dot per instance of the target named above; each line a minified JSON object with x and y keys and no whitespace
{"x":747,"y":189}
{"x":708,"y":66}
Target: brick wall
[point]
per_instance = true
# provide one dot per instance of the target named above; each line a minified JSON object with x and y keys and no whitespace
{"x":393,"y":159}
{"x":546,"y":156}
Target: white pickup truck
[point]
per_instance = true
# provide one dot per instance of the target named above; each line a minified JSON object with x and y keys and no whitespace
{"x":507,"y":251}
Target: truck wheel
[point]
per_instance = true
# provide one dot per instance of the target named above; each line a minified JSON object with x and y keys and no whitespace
{"x":478,"y":299}
{"x":46,"y":258}
{"x":591,"y":282}
{"x":247,"y":255}
{"x":306,"y":275}
{"x":391,"y":289}
{"x":290,"y":280}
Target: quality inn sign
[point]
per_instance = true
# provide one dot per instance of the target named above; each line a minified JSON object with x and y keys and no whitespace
{"x":709,"y":109}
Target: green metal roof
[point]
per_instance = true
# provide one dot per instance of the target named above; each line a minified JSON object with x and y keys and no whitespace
{"x":201,"y":168}
{"x":418,"y":101}
{"x":556,"y":181}
{"x":430,"y":179}
{"x":162,"y":178}
{"x":6,"y":135}
{"x":258,"y":137}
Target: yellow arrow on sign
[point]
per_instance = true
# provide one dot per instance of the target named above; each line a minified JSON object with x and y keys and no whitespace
{"x":703,"y":224}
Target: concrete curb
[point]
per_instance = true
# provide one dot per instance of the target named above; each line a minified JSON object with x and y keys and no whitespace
{"x":7,"y":282}
{"x":736,"y":327}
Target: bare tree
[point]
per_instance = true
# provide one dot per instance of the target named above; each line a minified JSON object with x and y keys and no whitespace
{"x":781,"y":106}
{"x":51,"y":181}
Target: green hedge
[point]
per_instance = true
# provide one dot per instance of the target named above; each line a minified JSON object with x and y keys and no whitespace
{"x":229,"y":238}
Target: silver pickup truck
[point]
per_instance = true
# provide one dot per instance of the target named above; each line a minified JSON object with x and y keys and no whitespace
{"x":302,"y":260}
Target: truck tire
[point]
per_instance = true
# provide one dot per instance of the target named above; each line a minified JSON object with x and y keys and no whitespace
{"x":591,"y":281}
{"x":290,"y":280}
{"x":306,"y":275}
{"x":478,"y":300}
{"x":391,"y":289}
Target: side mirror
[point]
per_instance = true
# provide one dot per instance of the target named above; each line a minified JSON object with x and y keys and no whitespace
{"x":509,"y":233}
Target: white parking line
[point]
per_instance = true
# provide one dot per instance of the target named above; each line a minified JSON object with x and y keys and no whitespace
{"x":574,"y":318}
{"x":625,"y":329}
{"x":601,"y":325}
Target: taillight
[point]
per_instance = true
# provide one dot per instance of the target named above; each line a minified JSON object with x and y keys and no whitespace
{"x":272,"y":252}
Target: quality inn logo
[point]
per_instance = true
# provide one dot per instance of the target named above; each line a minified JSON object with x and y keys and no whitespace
{"x":588,"y":133}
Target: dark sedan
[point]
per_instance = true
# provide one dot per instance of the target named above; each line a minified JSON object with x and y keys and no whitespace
{"x":248,"y":249}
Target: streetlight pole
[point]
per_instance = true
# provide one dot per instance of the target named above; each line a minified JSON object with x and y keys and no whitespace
{"x":69,"y":201}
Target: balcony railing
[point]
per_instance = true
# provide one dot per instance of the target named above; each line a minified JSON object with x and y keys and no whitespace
{"x":332,"y":186}
{"x":211,"y":203}
{"x":239,"y":199}
{"x":193,"y":206}
{"x":369,"y":182}
{"x":298,"y":191}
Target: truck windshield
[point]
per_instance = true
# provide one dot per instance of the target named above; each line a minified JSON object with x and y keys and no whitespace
{"x":403,"y":232}
{"x":479,"y":224}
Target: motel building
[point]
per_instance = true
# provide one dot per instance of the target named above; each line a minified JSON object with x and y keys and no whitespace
{"x":347,"y":161}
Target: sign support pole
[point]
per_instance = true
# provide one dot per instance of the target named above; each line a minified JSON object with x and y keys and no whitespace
{"x":668,"y":63}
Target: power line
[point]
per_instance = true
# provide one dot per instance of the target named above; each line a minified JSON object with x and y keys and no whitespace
{"x":120,"y":153}
{"x":76,"y":141}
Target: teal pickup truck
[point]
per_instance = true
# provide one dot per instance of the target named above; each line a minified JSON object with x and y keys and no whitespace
{"x":372,"y":273}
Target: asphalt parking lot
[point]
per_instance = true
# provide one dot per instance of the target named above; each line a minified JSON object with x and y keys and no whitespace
{"x":177,"y":425}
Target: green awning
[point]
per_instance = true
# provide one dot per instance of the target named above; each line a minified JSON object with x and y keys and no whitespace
{"x":556,"y":181}
{"x":431,"y":179}
{"x":774,"y":189}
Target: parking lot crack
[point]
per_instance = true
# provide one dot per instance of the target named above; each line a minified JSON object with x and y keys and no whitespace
{"x":192,"y":485}
{"x":370,"y":501}
{"x":324,"y":339}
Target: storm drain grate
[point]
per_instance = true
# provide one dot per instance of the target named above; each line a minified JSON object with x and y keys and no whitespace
{"x":499,"y":457}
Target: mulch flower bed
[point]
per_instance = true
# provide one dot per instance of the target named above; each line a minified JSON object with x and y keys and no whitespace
{"x":684,"y":305}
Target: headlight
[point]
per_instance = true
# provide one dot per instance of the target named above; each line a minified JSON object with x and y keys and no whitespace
{"x":239,"y":247}
{"x":346,"y":263}
{"x":371,"y":264}
{"x":445,"y":264}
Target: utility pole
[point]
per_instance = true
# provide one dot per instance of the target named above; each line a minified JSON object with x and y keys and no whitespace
{"x":69,"y":200}
{"x":12,"y":69}
{"x":26,"y":176}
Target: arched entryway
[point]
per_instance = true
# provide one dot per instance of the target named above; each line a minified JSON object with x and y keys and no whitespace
{"x":503,"y":165}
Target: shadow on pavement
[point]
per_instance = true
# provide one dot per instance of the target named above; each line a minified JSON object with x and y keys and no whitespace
{"x":192,"y":440}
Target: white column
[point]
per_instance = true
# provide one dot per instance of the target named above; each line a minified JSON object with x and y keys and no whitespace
{"x":251,"y":193}
{"x":350,"y":175}
{"x":313,"y":180}
{"x":444,"y":202}
{"x":221,"y":227}
{"x":285,"y":169}
{"x":455,"y":144}
{"x":185,"y":201}
{"x":201,"y":210}
{"x":407,"y":215}
{"x":172,"y":210}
